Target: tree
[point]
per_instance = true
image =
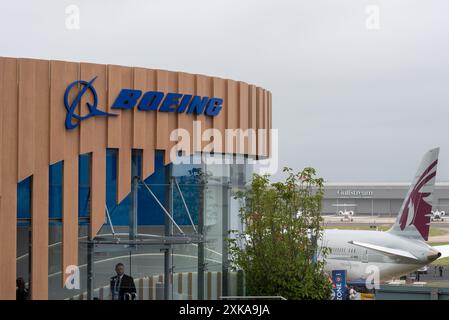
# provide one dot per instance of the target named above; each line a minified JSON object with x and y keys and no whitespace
{"x":278,"y":248}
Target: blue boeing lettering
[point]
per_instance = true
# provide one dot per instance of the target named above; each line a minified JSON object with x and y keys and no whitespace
{"x":127,"y":99}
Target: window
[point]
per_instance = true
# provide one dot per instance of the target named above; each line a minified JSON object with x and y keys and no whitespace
{"x":111,"y":179}
{"x":55,"y":230}
{"x":84,"y":193}
{"x":23,"y":250}
{"x":55,"y":191}
{"x":149,"y":211}
{"x":24,"y":199}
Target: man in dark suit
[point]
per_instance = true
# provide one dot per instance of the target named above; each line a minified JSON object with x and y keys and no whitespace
{"x":121,"y":284}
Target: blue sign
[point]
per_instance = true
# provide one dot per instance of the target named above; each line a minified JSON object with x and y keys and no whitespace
{"x":127,"y":99}
{"x":93,"y":111}
{"x":339,"y":284}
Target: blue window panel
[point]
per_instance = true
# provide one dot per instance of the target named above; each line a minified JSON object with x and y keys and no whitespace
{"x":119,"y":212}
{"x":191,"y":195}
{"x":55,"y":191}
{"x":111,"y":178}
{"x":84,"y":168}
{"x":189,"y":177}
{"x":24,"y":199}
{"x":149,"y":211}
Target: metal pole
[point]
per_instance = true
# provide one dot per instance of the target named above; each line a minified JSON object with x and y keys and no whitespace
{"x":166,"y":274}
{"x":90,"y":269}
{"x":225,"y":225}
{"x":133,"y":213}
{"x":201,"y":266}
{"x":130,"y":263}
{"x":134,"y":209}
{"x":132,"y":228}
{"x":168,"y":232}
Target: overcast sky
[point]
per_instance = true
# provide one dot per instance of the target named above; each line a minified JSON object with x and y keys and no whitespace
{"x":355,"y":102}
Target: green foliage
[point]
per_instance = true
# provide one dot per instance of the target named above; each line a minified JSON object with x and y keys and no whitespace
{"x":278,"y":248}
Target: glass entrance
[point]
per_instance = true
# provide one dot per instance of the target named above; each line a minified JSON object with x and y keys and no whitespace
{"x":169,"y":233}
{"x":154,"y":233}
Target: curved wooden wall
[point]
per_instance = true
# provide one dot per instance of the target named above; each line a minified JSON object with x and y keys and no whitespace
{"x":33,"y":136}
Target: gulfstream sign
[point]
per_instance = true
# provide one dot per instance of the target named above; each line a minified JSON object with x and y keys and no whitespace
{"x":148,"y":101}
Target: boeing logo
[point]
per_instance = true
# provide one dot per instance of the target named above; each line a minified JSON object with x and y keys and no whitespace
{"x":149,"y":101}
{"x":93,"y":111}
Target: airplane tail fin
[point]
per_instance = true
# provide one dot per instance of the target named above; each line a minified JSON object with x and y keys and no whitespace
{"x":413,"y":220}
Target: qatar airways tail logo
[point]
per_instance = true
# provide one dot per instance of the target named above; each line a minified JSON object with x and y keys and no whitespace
{"x":416,"y":210}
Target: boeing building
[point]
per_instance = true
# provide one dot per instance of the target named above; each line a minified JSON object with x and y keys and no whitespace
{"x":98,"y":167}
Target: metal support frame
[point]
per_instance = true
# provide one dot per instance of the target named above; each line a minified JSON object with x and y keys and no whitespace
{"x":168,"y":215}
{"x":169,"y":222}
{"x":167,"y":240}
{"x":109,"y":220}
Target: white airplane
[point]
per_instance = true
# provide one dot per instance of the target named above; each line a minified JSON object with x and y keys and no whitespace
{"x":345,"y":214}
{"x":438,"y":215}
{"x":398,"y":251}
